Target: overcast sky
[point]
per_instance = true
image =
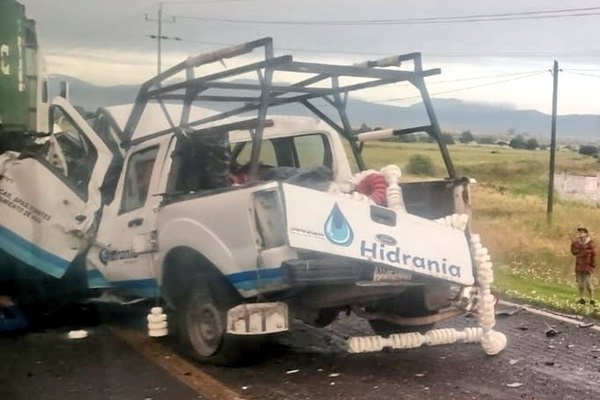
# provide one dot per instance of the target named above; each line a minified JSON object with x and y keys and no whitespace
{"x":106,"y":42}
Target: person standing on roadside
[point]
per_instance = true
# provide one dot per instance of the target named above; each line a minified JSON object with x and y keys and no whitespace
{"x":582,"y":247}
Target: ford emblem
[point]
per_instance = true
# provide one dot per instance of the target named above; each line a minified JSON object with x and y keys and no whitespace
{"x":386,"y":239}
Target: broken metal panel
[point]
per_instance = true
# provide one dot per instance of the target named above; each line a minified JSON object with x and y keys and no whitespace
{"x":46,"y":215}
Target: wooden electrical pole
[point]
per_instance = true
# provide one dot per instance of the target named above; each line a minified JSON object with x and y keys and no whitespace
{"x":552,"y":143}
{"x":159,"y":36}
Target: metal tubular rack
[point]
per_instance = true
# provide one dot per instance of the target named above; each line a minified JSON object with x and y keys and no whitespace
{"x":192,"y":90}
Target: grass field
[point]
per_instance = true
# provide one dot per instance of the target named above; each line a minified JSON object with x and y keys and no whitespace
{"x":531,"y":256}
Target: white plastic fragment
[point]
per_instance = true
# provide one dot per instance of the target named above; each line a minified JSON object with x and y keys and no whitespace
{"x":157,"y":322}
{"x":78,"y":334}
{"x":514,"y":385}
{"x":292,"y":371}
{"x":514,"y":361}
{"x":334,"y":375}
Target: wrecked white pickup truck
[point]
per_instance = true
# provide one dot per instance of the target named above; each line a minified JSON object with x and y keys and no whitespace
{"x":241,"y":219}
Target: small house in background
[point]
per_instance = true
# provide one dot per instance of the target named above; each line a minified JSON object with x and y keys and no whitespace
{"x":583,"y":188}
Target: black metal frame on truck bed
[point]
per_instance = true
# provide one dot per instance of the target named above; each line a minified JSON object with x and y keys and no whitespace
{"x":323,"y":82}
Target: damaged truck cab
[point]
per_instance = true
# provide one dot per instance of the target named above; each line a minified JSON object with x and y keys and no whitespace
{"x":241,"y":219}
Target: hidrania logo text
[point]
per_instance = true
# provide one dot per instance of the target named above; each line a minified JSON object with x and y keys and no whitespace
{"x":380,"y":252}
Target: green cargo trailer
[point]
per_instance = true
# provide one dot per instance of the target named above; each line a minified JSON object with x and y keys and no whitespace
{"x":23,"y":83}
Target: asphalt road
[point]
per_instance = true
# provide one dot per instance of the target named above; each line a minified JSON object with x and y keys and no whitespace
{"x":118,"y":361}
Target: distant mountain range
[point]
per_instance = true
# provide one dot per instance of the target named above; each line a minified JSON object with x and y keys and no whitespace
{"x":453,"y":115}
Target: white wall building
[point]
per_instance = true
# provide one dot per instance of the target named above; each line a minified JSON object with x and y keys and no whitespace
{"x":584,"y":188}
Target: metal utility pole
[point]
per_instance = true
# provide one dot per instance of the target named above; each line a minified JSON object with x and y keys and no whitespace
{"x":159,"y":36}
{"x":552,"y":143}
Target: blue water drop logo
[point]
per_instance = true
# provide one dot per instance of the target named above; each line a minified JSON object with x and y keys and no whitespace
{"x":337,"y":228}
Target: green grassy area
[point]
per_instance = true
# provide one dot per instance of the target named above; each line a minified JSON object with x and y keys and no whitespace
{"x":504,"y":168}
{"x":547,"y":294}
{"x":509,"y":211}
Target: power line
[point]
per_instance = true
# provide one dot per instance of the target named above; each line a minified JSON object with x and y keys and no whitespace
{"x":542,"y":14}
{"x":464,"y":88}
{"x":359,"y":53}
{"x":581,"y":73}
{"x":381,"y":53}
{"x":485,"y":77}
{"x":582,"y":70}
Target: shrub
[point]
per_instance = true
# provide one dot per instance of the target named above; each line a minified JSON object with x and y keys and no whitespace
{"x":420,"y":164}
{"x":588,"y":150}
{"x":531,"y":144}
{"x":466,"y":137}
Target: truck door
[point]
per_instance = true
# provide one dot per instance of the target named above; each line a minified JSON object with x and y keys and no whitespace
{"x":126,"y":240}
{"x":49,"y":197}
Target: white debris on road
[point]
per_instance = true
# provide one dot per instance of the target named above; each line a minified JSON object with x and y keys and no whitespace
{"x":78,"y":334}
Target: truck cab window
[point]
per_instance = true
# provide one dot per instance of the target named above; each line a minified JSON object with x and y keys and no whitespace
{"x":306,"y":151}
{"x":200,"y":162}
{"x":137,"y":179}
{"x":267,"y":153}
{"x":312,"y":151}
{"x":70,"y":151}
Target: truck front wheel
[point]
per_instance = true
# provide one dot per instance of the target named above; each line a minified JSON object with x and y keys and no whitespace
{"x":203,"y":328}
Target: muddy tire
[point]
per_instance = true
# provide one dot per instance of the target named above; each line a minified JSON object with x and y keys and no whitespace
{"x":202,"y":327}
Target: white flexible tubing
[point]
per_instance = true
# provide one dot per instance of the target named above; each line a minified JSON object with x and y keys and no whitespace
{"x":492,"y":341}
{"x":393,"y":192}
{"x":434,"y":337}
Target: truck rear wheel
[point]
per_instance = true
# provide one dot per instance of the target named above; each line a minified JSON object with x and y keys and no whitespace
{"x":203,"y":327}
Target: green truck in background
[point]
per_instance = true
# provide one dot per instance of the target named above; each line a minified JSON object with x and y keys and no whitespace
{"x":23,"y":80}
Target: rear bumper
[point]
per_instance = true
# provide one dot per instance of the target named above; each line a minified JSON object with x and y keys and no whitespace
{"x":336,"y":281}
{"x":325,"y":271}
